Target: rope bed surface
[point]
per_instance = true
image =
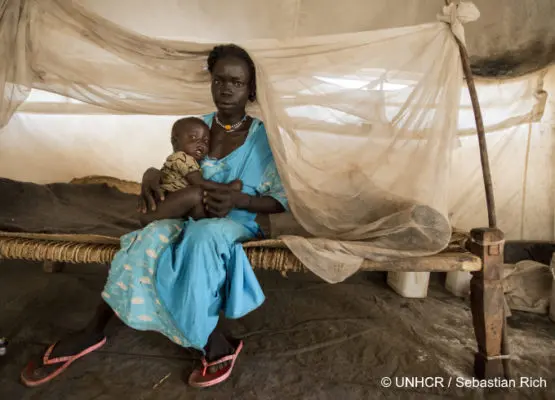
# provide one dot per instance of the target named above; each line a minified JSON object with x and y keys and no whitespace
{"x":265,"y":254}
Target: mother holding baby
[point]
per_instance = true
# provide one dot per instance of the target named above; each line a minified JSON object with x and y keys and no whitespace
{"x":175,"y":276}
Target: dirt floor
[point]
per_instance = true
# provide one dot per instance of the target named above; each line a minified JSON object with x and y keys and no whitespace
{"x":310,"y":340}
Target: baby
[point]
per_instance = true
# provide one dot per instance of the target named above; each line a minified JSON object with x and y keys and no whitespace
{"x":190,"y":138}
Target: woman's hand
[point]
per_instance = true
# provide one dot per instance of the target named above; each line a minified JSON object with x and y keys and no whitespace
{"x":151,"y":192}
{"x":218,"y":203}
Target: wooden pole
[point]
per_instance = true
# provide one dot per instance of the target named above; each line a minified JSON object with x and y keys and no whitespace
{"x":484,"y":158}
{"x":488,"y":183}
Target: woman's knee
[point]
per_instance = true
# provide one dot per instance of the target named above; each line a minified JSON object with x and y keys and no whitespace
{"x":214,"y":230}
{"x":204,"y":231}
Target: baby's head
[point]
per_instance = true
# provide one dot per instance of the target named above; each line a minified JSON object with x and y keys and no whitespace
{"x":192,"y":136}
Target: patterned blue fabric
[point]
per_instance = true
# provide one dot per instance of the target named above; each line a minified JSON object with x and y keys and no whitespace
{"x":175,"y":276}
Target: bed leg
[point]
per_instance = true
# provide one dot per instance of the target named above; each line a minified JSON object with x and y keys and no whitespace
{"x":487,"y":302}
{"x":53,"y":266}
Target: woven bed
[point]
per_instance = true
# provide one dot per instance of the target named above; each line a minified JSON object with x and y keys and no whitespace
{"x":269,"y":254}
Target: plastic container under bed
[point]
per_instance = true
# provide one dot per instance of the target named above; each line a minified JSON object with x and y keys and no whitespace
{"x":409,"y":284}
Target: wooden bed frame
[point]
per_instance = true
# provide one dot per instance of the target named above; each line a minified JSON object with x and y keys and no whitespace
{"x":480,"y":253}
{"x":272,"y":254}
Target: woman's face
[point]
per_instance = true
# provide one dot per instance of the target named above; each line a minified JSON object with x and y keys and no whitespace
{"x":230,"y":85}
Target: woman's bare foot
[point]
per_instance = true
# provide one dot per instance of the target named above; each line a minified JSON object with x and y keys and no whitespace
{"x":231,"y":348}
{"x":217,"y":367}
{"x":222,"y":364}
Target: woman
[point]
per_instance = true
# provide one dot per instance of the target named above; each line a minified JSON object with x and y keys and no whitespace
{"x":175,"y":276}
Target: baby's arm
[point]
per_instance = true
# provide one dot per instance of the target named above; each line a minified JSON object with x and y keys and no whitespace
{"x":195,"y":178}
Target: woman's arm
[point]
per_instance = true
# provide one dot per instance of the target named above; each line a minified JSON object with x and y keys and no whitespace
{"x":256,"y":204}
{"x":219,"y":203}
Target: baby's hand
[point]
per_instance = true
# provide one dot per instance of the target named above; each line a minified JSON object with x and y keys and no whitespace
{"x":236,"y":185}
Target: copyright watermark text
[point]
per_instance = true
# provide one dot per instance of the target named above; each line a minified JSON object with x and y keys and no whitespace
{"x":462,"y":382}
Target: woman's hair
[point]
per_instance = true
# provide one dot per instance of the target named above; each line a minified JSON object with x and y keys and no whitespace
{"x":231,"y":50}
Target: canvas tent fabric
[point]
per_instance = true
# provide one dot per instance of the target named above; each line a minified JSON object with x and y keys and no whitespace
{"x":362,"y":125}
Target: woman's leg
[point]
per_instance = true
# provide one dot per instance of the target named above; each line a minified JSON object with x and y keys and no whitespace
{"x":206,"y":267}
{"x":103,"y":315}
{"x":127,"y":290}
{"x":219,"y":345}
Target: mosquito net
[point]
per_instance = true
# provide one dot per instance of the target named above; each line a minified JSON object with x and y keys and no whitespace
{"x":361,"y":125}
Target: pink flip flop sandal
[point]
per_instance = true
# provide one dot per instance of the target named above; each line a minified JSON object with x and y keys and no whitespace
{"x":200,"y":378}
{"x":64,"y":361}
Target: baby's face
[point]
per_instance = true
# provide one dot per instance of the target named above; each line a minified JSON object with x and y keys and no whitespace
{"x":195,"y":141}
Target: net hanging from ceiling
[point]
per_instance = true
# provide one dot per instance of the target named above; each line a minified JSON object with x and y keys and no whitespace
{"x":361,"y":125}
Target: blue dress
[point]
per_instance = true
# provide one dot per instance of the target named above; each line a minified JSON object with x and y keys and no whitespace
{"x":175,"y":276}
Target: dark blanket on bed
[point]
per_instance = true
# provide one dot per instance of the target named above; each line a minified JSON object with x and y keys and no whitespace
{"x":63,"y":208}
{"x":87,"y":209}
{"x":100,"y":209}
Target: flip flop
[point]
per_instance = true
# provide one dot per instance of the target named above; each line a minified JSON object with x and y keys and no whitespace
{"x":65,"y":362}
{"x":200,"y":378}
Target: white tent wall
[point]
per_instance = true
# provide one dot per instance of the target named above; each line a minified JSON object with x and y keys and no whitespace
{"x":522,"y":165}
{"x":57,"y":144}
{"x":47,"y":148}
{"x":521,"y":162}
